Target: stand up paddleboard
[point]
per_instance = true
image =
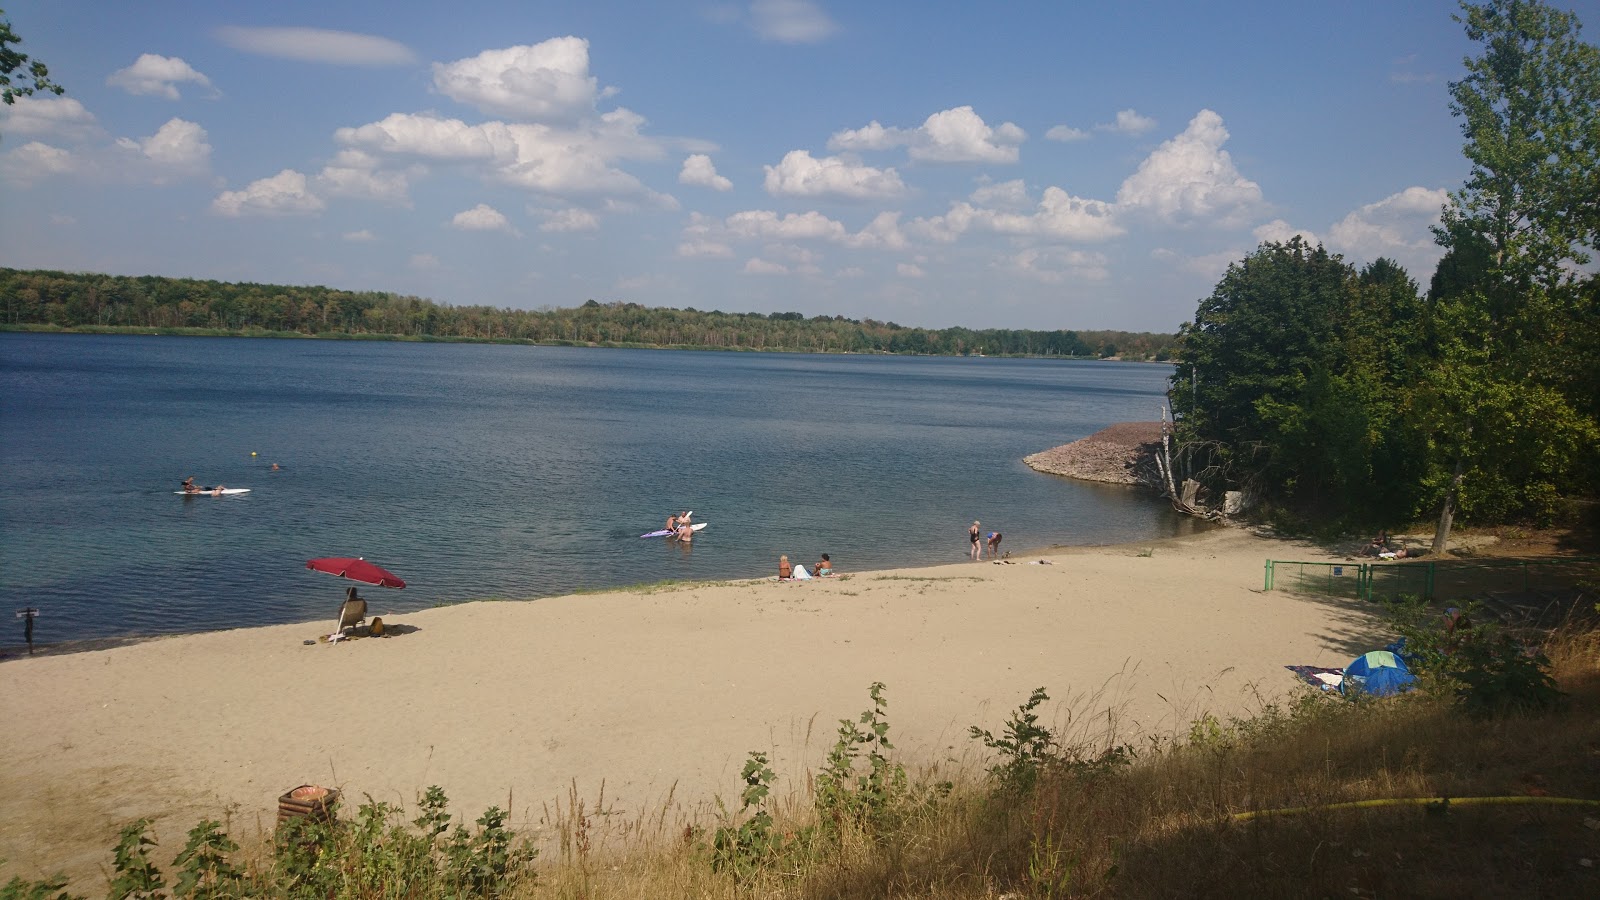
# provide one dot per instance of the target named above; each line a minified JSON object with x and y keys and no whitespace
{"x":225,"y":492}
{"x":663,"y":532}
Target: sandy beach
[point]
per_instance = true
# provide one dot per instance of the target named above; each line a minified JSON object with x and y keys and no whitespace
{"x":652,"y":692}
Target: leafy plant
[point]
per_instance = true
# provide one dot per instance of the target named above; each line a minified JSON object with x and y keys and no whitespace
{"x":137,"y":877}
{"x":1487,"y":669}
{"x":204,"y":871}
{"x":1025,"y":747}
{"x":743,"y":849}
{"x":49,"y":889}
{"x":844,"y":794}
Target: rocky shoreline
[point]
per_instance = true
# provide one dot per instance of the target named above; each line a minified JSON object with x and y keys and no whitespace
{"x":1124,"y":453}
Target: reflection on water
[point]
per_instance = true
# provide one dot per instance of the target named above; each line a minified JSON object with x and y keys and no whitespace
{"x":480,"y":470}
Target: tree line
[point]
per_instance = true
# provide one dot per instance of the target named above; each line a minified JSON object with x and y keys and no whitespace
{"x":81,"y":300}
{"x":1353,"y":396}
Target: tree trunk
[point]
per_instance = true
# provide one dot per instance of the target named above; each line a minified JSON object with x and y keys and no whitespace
{"x":1441,"y":535}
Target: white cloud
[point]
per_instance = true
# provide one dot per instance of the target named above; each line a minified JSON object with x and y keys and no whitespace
{"x":317,"y":45}
{"x":1057,"y":215}
{"x":1398,"y":226}
{"x":157,"y":76}
{"x":956,"y":135}
{"x":757,"y":266}
{"x":353,"y":173}
{"x":1005,"y":195}
{"x":559,"y":161}
{"x":359,"y":237}
{"x":1055,"y":265}
{"x":285,"y":193}
{"x":791,"y":21}
{"x":1066,"y":134}
{"x":548,"y":80}
{"x":761,"y":224}
{"x":705,"y":248}
{"x":179,"y":146}
{"x":482,"y":217}
{"x":909,"y":270}
{"x":34,"y":161}
{"x":700,"y":171}
{"x":1279,"y":231}
{"x":851,"y":272}
{"x":572,"y":219}
{"x":1128,"y":122}
{"x":799,"y":175}
{"x":55,"y":116}
{"x":1191,"y":178}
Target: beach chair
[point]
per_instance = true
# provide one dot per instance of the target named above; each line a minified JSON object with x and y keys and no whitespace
{"x":352,"y":613}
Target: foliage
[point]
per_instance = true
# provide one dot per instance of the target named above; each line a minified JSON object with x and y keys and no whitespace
{"x":1482,"y":666}
{"x":204,"y":871}
{"x":846,"y":796}
{"x":20,"y":77}
{"x":1025,"y":747}
{"x":48,"y":889}
{"x":87,"y":301}
{"x":137,"y":876}
{"x":743,"y":849}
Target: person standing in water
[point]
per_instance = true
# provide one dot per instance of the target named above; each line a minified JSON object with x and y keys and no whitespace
{"x":994,"y":544}
{"x":972,"y":538}
{"x":685,"y":532}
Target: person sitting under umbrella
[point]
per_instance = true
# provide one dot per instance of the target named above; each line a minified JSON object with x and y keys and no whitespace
{"x":353,"y":611}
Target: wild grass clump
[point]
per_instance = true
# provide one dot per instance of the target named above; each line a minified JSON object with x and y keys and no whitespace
{"x":1428,"y":794}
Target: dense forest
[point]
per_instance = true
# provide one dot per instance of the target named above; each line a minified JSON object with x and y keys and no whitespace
{"x":1337,"y":395}
{"x":78,"y":300}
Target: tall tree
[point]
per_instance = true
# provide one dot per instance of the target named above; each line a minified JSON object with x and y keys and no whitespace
{"x":1507,"y":432}
{"x":18,"y":76}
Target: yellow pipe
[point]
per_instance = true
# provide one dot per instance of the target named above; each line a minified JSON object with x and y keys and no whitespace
{"x":1441,"y":802}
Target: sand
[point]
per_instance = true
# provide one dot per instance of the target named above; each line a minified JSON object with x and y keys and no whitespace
{"x":652,"y":693}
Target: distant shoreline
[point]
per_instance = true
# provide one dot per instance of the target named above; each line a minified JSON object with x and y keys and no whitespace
{"x":143,"y":331}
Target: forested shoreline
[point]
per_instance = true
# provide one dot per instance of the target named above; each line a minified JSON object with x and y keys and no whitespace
{"x":30,"y":299}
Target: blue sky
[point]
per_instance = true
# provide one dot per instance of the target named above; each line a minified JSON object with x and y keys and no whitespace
{"x":1017,"y":165}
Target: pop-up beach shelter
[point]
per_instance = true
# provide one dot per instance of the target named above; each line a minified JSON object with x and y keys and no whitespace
{"x":1380,"y":673}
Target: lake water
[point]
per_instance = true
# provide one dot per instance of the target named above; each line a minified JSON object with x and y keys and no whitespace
{"x":506,"y":471}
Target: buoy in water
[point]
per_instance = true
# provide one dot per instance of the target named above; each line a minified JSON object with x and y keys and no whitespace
{"x":252,"y":453}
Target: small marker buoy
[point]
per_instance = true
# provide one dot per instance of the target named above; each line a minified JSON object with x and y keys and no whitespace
{"x":252,"y":453}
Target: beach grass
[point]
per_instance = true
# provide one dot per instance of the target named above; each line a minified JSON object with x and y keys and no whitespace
{"x":1310,"y":796}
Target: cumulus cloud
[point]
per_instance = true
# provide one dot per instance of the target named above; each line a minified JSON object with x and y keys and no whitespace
{"x":1066,"y":134}
{"x":285,"y":193}
{"x":1398,"y":226}
{"x":1055,"y":265}
{"x":572,"y":219}
{"x":35,"y":161}
{"x":152,"y":75}
{"x":758,"y":266}
{"x":956,"y":135}
{"x":800,"y":175}
{"x":698,"y":170}
{"x":704,"y":248}
{"x":353,"y":173}
{"x":1057,"y":215}
{"x":1004,"y":195}
{"x":178,"y":146}
{"x":1281,"y":232}
{"x":482,"y":217}
{"x":791,"y":21}
{"x":1128,"y":122}
{"x":560,"y":161}
{"x":1191,"y":178}
{"x":548,"y":80}
{"x":317,"y":45}
{"x":909,"y":270}
{"x":54,"y":116}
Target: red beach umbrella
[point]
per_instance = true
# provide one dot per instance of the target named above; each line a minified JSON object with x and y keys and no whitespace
{"x":356,"y":569}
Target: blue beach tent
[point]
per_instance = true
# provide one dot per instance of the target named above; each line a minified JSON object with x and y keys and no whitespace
{"x":1380,"y":673}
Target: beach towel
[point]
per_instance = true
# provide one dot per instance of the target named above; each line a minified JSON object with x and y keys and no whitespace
{"x":1318,"y":677}
{"x":800,"y":573}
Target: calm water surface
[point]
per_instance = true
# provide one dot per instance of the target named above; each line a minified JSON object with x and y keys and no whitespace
{"x":497,"y":471}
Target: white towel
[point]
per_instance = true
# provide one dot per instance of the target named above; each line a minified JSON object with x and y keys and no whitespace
{"x":800,"y":573}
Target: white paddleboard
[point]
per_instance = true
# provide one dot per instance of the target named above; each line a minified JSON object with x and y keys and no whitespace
{"x":663,"y":532}
{"x":225,"y":492}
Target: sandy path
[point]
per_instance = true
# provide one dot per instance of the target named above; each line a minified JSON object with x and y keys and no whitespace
{"x":498,"y":701}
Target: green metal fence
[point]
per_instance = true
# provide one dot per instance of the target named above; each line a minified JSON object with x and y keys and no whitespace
{"x":1449,"y":579}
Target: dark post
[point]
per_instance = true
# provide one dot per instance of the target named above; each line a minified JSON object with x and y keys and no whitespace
{"x":27,"y":614}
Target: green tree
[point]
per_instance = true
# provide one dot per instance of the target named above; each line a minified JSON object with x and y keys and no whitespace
{"x":18,"y":76}
{"x":1504,"y":394}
